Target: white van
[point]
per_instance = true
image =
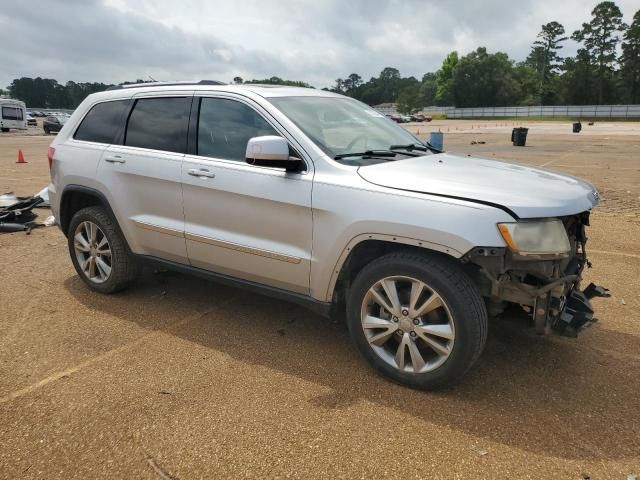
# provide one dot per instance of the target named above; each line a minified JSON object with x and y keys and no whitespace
{"x":13,"y":114}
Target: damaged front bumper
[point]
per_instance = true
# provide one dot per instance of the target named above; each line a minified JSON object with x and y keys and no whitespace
{"x":547,"y":288}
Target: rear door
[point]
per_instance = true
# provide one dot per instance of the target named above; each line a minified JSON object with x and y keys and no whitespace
{"x":142,"y":174}
{"x":242,"y":220}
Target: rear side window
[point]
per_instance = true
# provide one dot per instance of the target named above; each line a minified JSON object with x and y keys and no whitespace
{"x":159,"y":124}
{"x":103,"y":122}
{"x":225,"y":126}
{"x":12,"y":113}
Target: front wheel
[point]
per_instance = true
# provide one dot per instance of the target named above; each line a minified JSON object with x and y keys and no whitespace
{"x":418,"y":319}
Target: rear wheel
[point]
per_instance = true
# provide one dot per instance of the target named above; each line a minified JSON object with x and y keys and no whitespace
{"x":417,"y":319}
{"x":99,"y":251}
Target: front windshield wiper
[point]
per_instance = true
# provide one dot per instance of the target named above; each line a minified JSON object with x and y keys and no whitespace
{"x":409,"y":147}
{"x":367,"y":154}
{"x":423,"y":147}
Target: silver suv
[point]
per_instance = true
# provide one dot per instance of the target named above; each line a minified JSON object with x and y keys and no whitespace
{"x":317,"y":198}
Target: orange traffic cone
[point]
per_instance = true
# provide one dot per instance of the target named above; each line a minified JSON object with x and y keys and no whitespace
{"x":20,"y":157}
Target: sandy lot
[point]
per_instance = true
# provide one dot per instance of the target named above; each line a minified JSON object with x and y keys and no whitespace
{"x":180,"y":378}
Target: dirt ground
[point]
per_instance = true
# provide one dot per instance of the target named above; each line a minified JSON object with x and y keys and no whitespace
{"x":181,"y":378}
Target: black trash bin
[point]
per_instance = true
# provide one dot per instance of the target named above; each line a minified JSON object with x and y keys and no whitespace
{"x":519,"y":136}
{"x":577,"y":127}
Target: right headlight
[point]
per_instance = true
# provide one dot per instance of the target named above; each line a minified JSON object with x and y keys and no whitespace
{"x":540,"y":237}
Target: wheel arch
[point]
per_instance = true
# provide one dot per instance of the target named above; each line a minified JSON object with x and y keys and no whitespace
{"x":77,"y":197}
{"x":366,"y":247}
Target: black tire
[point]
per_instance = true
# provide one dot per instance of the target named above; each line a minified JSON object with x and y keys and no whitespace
{"x":465,"y":304}
{"x":124,"y":267}
{"x":46,"y":130}
{"x":5,"y":129}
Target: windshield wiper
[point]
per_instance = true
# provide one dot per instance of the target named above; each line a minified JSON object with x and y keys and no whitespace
{"x":423,"y":147}
{"x":409,"y":147}
{"x":367,"y":154}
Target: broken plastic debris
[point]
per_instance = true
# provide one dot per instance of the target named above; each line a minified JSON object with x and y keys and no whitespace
{"x":8,"y":199}
{"x":44,"y":195}
{"x":50,"y":221}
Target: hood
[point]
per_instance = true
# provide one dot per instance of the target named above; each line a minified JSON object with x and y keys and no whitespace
{"x":527,"y":192}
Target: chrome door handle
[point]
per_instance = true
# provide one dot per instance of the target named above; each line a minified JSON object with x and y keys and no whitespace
{"x":202,"y":172}
{"x":114,"y":159}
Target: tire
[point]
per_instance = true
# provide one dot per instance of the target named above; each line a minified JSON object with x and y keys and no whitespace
{"x":5,"y":129}
{"x":46,"y":130}
{"x":106,"y":273}
{"x":449,"y":337}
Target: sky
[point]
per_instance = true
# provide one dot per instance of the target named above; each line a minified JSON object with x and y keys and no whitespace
{"x":315,"y":41}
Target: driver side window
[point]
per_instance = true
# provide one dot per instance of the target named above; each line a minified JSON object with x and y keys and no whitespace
{"x":225,"y":126}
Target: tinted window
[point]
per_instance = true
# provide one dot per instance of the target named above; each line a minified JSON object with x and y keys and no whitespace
{"x":225,"y":127}
{"x":159,"y":123}
{"x":12,"y":113}
{"x":103,"y":122}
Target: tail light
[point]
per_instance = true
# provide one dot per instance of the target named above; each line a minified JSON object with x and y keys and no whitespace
{"x":50,"y":153}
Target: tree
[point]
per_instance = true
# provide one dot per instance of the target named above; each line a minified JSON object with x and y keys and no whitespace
{"x":630,"y":60}
{"x":351,"y":83}
{"x":482,"y":79}
{"x":428,"y":89}
{"x":280,"y":81}
{"x":600,"y":38}
{"x":444,"y":80}
{"x":237,"y":80}
{"x":545,"y":60}
{"x":409,"y":100}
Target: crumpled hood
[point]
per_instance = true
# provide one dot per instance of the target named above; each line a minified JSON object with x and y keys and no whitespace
{"x":529,"y":192}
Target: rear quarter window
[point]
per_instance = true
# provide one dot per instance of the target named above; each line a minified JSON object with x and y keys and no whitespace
{"x":159,"y":124}
{"x":103,"y":122}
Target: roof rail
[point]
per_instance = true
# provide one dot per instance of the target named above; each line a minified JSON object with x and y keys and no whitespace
{"x":163,"y":84}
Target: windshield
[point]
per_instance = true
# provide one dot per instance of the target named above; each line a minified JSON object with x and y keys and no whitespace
{"x":343,"y":125}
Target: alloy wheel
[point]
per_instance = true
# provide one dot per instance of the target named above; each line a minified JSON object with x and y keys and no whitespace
{"x":93,"y":252}
{"x":407,"y":324}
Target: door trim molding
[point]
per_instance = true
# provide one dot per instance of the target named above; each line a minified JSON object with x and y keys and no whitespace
{"x":242,"y":248}
{"x":158,"y":229}
{"x":218,"y":243}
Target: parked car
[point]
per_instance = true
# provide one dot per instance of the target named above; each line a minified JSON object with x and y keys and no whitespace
{"x":396,"y":117}
{"x":31,"y":121}
{"x":13,"y":114}
{"x":419,"y":117}
{"x":405,"y":118}
{"x":54,"y":123}
{"x":263,"y":187}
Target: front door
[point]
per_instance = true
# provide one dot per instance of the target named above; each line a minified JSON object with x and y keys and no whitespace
{"x":241,"y":220}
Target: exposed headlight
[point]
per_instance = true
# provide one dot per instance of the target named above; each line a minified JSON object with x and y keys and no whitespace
{"x":545,"y":237}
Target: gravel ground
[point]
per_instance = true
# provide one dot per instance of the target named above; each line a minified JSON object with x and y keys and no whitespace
{"x":180,"y":378}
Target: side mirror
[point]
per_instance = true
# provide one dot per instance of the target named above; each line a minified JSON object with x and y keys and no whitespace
{"x":271,"y":151}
